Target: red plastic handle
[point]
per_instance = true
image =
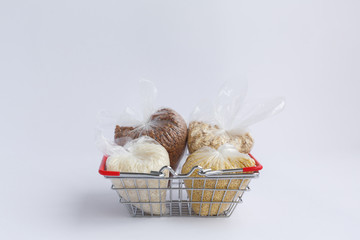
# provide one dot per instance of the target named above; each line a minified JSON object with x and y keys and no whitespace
{"x":257,"y":167}
{"x":103,"y":172}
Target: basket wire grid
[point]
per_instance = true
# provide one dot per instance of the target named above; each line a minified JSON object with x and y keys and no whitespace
{"x":210,"y":193}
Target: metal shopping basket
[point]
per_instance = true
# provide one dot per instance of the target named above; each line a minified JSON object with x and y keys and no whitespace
{"x":201,"y":192}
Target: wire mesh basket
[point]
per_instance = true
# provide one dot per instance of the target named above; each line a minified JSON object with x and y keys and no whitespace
{"x":166,"y":193}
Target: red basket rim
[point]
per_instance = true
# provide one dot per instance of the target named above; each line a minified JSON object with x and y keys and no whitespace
{"x":104,"y":172}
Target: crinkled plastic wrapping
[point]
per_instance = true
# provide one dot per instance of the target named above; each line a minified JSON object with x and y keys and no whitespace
{"x":141,"y":155}
{"x":227,"y":120}
{"x":225,"y":157}
{"x":164,"y":125}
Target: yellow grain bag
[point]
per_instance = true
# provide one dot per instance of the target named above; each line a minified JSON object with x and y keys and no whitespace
{"x":225,"y":157}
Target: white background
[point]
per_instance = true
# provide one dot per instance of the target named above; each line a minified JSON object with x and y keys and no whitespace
{"x":63,"y":61}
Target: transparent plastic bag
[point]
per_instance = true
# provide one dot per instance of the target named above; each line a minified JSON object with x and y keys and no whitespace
{"x":164,"y":125}
{"x":225,"y":157}
{"x":141,"y":155}
{"x":227,"y":120}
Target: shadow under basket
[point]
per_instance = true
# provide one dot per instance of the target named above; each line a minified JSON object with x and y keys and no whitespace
{"x":204,"y":193}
